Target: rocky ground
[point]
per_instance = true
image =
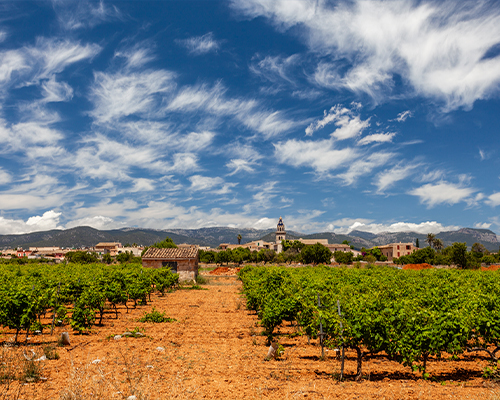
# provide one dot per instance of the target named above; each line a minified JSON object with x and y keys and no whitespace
{"x":214,"y":350}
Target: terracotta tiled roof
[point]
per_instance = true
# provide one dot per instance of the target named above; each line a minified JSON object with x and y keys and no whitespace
{"x":185,"y":252}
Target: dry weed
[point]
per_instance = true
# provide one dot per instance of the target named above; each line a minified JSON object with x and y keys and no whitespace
{"x":124,"y":377}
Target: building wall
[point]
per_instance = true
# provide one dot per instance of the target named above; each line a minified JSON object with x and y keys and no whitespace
{"x":186,"y":268}
{"x":396,"y":250}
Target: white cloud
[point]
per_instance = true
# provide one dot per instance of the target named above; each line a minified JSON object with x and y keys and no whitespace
{"x":51,"y":56}
{"x":365,"y":165}
{"x":11,"y":62}
{"x":81,"y":14}
{"x":184,"y":163}
{"x":403,"y":116}
{"x":23,"y":136}
{"x":53,"y":91}
{"x":137,"y":56}
{"x":204,"y":183}
{"x":5,"y":177}
{"x":143,"y":185}
{"x":96,"y":222}
{"x":49,"y":220}
{"x":493,"y":200}
{"x":347,"y":225}
{"x":246,"y":158}
{"x":432,"y":176}
{"x":484,"y":225}
{"x":262,"y":198}
{"x":215,"y":102}
{"x":200,"y":44}
{"x":389,"y":177}
{"x":377,"y":138}
{"x":438,"y":48}
{"x":121,"y":95}
{"x":275,"y":69}
{"x":320,"y":155}
{"x":238,"y":165}
{"x":348,"y":124}
{"x":442,"y":192}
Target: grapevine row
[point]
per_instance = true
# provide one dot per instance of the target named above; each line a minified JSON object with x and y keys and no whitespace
{"x":29,"y":292}
{"x":409,"y":315}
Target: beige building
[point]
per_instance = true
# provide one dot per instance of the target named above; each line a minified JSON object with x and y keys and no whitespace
{"x":111,"y":248}
{"x":183,"y":261}
{"x":310,"y":242}
{"x":333,"y":247}
{"x":256,"y":245}
{"x":396,"y":250}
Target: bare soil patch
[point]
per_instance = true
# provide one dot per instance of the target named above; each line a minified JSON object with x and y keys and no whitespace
{"x":418,"y":267}
{"x":215,"y":350}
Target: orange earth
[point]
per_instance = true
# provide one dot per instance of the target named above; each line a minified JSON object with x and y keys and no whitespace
{"x":215,"y":350}
{"x":417,"y":267}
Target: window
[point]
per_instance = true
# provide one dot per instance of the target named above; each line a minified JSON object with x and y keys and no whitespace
{"x":407,"y":247}
{"x":170,"y":264}
{"x":398,"y":252}
{"x":398,"y":247}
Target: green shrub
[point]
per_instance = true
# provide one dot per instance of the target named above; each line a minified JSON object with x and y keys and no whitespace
{"x":155,"y":317}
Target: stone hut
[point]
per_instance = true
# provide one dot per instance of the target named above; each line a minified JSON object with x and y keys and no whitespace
{"x":183,"y":261}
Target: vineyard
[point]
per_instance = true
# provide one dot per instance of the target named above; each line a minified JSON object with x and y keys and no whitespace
{"x":77,"y":294}
{"x":411,"y":316}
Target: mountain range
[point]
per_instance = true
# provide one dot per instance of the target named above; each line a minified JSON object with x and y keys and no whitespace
{"x":85,"y":236}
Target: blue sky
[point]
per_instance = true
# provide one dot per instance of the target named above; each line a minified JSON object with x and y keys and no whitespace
{"x":378,"y":116}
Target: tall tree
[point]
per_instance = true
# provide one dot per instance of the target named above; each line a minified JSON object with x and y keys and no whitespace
{"x":239,"y":238}
{"x":459,"y":254}
{"x":438,"y":244}
{"x":430,"y":239}
{"x":417,"y":244}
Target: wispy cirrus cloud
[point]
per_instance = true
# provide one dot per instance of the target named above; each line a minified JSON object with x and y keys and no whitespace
{"x":116,"y":96}
{"x":214,"y":101}
{"x":388,"y":178}
{"x":275,"y":69}
{"x":199,"y":45}
{"x":377,"y":138}
{"x":403,"y":116}
{"x":336,"y":156}
{"x":80,"y":14}
{"x":50,"y":56}
{"x":244,"y":158}
{"x":348,"y":124}
{"x":439,"y":48}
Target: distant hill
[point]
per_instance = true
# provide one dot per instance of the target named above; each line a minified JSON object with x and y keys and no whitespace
{"x":85,"y":236}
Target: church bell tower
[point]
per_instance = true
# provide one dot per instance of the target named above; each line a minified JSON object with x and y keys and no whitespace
{"x":280,"y":232}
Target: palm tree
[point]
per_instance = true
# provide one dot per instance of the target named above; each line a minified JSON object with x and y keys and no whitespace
{"x":239,"y":238}
{"x":438,"y":244}
{"x":430,"y":239}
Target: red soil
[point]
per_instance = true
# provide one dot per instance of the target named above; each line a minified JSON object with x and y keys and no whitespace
{"x":215,"y":350}
{"x":418,"y":267}
{"x":490,"y":268}
{"x":226,"y":271}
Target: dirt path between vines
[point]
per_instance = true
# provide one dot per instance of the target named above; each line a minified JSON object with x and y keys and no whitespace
{"x":214,"y":351}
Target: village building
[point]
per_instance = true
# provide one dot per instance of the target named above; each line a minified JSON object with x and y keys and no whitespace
{"x":183,"y":261}
{"x":111,"y":248}
{"x":255,"y":245}
{"x":333,"y":247}
{"x":310,"y":242}
{"x":23,"y":253}
{"x":136,"y":251}
{"x":396,"y":250}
